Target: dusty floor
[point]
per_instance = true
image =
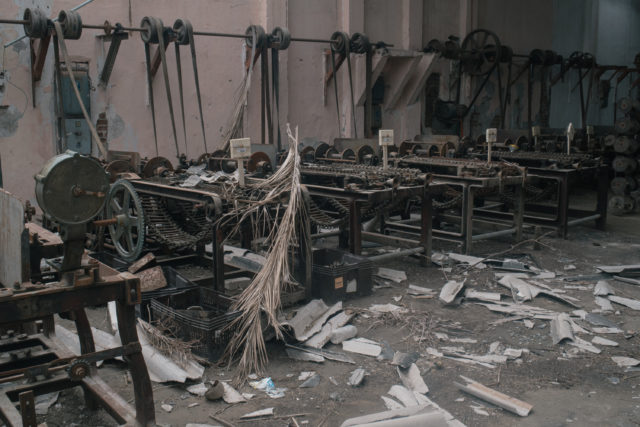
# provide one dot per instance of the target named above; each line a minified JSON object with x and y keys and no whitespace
{"x":588,"y":390}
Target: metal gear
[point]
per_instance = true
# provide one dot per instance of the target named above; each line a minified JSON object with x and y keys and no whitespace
{"x":128,"y":233}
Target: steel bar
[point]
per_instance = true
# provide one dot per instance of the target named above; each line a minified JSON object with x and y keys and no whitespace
{"x":398,"y":254}
{"x":492,"y":234}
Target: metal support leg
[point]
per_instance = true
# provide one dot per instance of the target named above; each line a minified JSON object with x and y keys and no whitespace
{"x":467,"y":218}
{"x":426,"y":227}
{"x":28,"y":409}
{"x":145,"y":413}
{"x":87,"y":345}
{"x":518,"y":212}
{"x":563,"y":206}
{"x":217,"y":256}
{"x":355,"y":228}
{"x":603,"y":189}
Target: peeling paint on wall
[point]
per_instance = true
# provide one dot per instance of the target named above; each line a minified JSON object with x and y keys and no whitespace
{"x":9,"y":117}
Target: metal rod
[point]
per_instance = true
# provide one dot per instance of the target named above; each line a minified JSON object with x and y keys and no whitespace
{"x":327,"y":234}
{"x":584,"y":219}
{"x":398,"y":254}
{"x":494,"y":234}
{"x":73,"y":9}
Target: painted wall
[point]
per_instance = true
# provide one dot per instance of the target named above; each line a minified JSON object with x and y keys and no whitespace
{"x":606,"y":28}
{"x":27,"y":135}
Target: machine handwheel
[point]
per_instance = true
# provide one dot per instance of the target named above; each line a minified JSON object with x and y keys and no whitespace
{"x":128,"y":233}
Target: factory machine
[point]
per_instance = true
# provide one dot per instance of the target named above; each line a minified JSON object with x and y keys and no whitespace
{"x":43,"y":274}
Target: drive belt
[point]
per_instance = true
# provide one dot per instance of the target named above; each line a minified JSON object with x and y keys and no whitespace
{"x":184,"y":35}
{"x":155,"y":33}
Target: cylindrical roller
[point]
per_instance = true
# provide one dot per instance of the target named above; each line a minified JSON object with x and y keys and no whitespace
{"x":609,"y":140}
{"x":366,"y":155}
{"x":625,"y":105}
{"x":321,"y":150}
{"x":620,"y":205}
{"x":37,"y":25}
{"x":332,"y":153}
{"x":307,"y":154}
{"x":448,"y":149}
{"x":622,"y":185}
{"x":625,"y":145}
{"x":522,"y":142}
{"x":348,"y":154}
{"x":623,"y":164}
{"x":407,"y":147}
{"x":627,"y":126}
{"x":71,"y":23}
{"x":215,"y":160}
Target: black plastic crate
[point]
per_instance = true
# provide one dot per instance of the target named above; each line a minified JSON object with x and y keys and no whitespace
{"x":199,"y":315}
{"x":110,"y":260}
{"x":338,"y":275}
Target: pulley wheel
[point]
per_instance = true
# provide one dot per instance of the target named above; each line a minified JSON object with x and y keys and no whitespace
{"x":151,"y":167}
{"x":280,"y":38}
{"x":116,"y":168}
{"x":71,"y":23}
{"x":216,"y":159}
{"x":182,"y":28}
{"x":481,"y":52}
{"x":37,"y":25}
{"x":128,"y":233}
{"x":71,"y":188}
{"x":255,"y":32}
{"x":150,"y":26}
{"x":255,"y":159}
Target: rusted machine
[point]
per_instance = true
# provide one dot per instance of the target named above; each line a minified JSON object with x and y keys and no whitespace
{"x":70,"y":189}
{"x":463,"y":184}
{"x":176,"y":213}
{"x":550,"y":179}
{"x":345,"y":196}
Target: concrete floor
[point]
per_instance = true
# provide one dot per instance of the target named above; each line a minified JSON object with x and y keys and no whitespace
{"x":586,"y":390}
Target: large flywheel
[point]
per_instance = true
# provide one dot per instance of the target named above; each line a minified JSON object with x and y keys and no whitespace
{"x":128,"y":233}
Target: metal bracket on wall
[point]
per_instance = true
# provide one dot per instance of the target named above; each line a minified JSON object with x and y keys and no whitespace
{"x":37,"y":62}
{"x":115,"y":38}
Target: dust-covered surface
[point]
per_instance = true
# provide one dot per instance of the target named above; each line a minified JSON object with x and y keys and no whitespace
{"x":566,"y":386}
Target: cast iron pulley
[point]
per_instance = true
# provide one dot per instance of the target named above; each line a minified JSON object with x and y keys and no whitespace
{"x":37,"y":26}
{"x":257,"y":33}
{"x":156,"y":166}
{"x":71,"y":23}
{"x":183,"y":31}
{"x":481,"y":52}
{"x":359,"y":43}
{"x":71,"y":188}
{"x":280,"y":38}
{"x":128,"y":233}
{"x":340,"y":42}
{"x":259,"y":162}
{"x":150,"y":28}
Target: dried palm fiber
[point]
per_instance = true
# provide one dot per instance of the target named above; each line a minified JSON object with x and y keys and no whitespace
{"x":233,"y":128}
{"x":263,"y":293}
